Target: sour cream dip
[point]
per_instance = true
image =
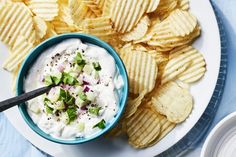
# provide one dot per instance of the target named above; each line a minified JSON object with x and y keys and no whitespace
{"x":86,"y":97}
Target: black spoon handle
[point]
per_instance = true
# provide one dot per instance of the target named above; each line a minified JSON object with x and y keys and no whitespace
{"x":6,"y":104}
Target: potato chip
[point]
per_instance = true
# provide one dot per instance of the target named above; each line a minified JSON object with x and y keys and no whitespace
{"x":142,"y":70}
{"x":165,"y":7}
{"x":152,"y":29}
{"x":113,"y":40}
{"x":47,"y":10}
{"x":127,"y":13}
{"x":107,"y":7}
{"x":63,"y":1}
{"x":166,"y":127}
{"x":153,"y":4}
{"x":20,"y":49}
{"x":133,"y":104}
{"x":176,"y":66}
{"x":183,"y":4}
{"x":173,"y":101}
{"x":165,"y":38}
{"x":79,"y":11}
{"x":50,"y":31}
{"x":139,"y":30}
{"x":142,"y":128}
{"x":162,"y":36}
{"x":159,"y":56}
{"x":182,"y":23}
{"x":61,"y":27}
{"x":3,"y":2}
{"x":17,"y":0}
{"x":101,"y":26}
{"x":100,"y":3}
{"x":65,"y":15}
{"x":16,"y":20}
{"x":92,"y":5}
{"x":197,"y":68}
{"x":40,"y":27}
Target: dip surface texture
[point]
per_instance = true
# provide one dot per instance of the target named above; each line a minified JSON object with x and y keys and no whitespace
{"x":85,"y":99}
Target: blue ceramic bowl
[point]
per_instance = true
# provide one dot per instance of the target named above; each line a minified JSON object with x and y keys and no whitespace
{"x":32,"y":57}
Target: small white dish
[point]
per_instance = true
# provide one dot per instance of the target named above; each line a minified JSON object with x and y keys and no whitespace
{"x":221,"y":142}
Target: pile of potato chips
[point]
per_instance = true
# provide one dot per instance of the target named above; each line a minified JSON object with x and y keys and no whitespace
{"x":153,"y":38}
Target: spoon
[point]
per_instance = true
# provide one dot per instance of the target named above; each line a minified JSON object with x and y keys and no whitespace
{"x":6,"y":104}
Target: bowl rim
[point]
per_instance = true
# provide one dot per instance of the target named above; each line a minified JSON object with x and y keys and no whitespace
{"x":219,"y":127}
{"x":62,"y":37}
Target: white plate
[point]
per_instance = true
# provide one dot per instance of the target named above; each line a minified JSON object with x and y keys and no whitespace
{"x":221,"y":142}
{"x":208,"y":44}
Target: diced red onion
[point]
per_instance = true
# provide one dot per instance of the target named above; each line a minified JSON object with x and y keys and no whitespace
{"x":61,"y":67}
{"x":86,"y":89}
{"x":85,"y":82}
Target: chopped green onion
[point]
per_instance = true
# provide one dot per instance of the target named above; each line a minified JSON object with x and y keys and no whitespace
{"x":48,"y":80}
{"x":62,"y":94}
{"x":101,"y":124}
{"x":68,"y":79}
{"x":49,"y":110}
{"x":79,"y":60}
{"x":94,"y":110}
{"x":83,"y":96}
{"x":57,"y":79}
{"x":97,"y":66}
{"x":66,"y":97}
{"x":72,"y":114}
{"x":46,"y":101}
{"x":70,"y":100}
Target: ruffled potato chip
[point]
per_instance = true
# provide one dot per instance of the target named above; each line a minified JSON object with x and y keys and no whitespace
{"x":143,"y":128}
{"x":183,"y":4}
{"x":173,"y":101}
{"x":153,"y":4}
{"x":16,"y":20}
{"x":101,"y":26}
{"x":20,"y":49}
{"x":182,"y":23}
{"x":126,"y":14}
{"x":47,"y":10}
{"x":166,"y":7}
{"x":79,"y":11}
{"x":40,"y":27}
{"x":166,"y":127}
{"x":139,"y":30}
{"x":142,"y":70}
{"x":92,"y":4}
{"x":133,"y":104}
{"x":197,"y":68}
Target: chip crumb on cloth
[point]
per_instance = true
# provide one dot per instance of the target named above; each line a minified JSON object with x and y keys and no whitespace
{"x":153,"y":38}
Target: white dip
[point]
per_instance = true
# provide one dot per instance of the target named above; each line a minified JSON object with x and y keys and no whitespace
{"x":86,"y":98}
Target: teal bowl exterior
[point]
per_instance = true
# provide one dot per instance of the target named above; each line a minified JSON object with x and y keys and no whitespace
{"x":31,"y":58}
